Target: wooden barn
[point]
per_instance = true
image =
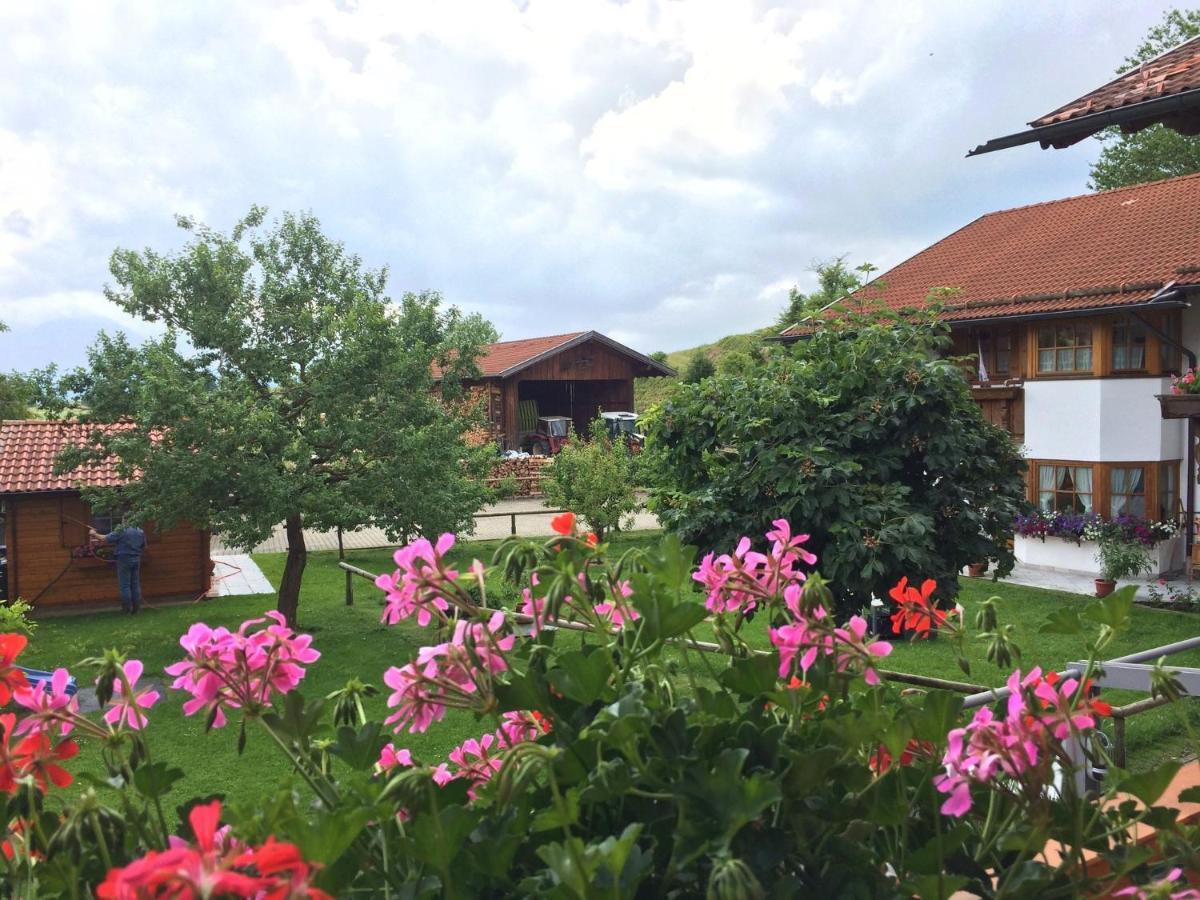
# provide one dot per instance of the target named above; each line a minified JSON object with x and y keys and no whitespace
{"x":578,"y":375}
{"x":45,"y":528}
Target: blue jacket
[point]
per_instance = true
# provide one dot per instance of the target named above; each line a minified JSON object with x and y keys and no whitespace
{"x":130,"y":543}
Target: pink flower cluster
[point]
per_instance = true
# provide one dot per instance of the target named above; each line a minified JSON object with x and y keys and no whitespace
{"x":226,"y":670}
{"x":50,"y":707}
{"x":1186,"y":383}
{"x":1021,"y":745}
{"x":419,"y":584}
{"x":457,"y":673}
{"x":739,"y":583}
{"x":476,"y":760}
{"x":810,"y":637}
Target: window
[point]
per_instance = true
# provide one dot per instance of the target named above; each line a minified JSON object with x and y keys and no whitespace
{"x":1065,"y":488}
{"x":1064,"y":348}
{"x":992,"y":349}
{"x":1168,"y":492}
{"x":1168,"y":353}
{"x":1127,"y":491}
{"x":105,"y":523}
{"x":1128,"y":345}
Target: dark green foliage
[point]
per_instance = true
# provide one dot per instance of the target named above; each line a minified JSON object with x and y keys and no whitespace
{"x":699,"y":367}
{"x":287,"y":388}
{"x":1155,"y":152}
{"x":867,"y":440}
{"x":659,"y":356}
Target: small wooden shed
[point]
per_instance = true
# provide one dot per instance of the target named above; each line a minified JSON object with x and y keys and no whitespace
{"x":46,"y":527}
{"x":578,"y":375}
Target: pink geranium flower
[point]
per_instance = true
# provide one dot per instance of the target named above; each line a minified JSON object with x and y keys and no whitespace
{"x":49,"y":705}
{"x":129,"y":708}
{"x":420,"y":582}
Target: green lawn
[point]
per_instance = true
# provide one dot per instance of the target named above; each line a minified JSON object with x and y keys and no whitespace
{"x":353,"y":643}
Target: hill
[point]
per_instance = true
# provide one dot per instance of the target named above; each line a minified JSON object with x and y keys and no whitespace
{"x":649,"y":391}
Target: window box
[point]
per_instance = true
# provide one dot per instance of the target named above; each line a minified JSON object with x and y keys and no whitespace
{"x":1179,"y":406}
{"x":1066,"y":555}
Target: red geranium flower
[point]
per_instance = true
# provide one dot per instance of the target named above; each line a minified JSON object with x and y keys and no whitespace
{"x":210,"y":868}
{"x":916,"y":611}
{"x":38,"y":756}
{"x":11,"y":678}
{"x":564,"y":524}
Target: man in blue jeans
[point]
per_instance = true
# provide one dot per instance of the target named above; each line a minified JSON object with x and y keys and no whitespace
{"x":130,"y":544}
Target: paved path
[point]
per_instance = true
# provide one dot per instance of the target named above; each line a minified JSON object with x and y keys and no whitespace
{"x":486,"y":528}
{"x":1077,"y":582}
{"x":235,"y":575}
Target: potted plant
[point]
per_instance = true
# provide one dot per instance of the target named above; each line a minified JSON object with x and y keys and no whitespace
{"x":1184,"y":400}
{"x":977,"y":569}
{"x":1119,"y":559}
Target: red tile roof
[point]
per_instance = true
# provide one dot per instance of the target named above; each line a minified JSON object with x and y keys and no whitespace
{"x":504,"y":355}
{"x":28,"y":449}
{"x":1173,"y":72}
{"x":1113,"y":248}
{"x":506,"y":358}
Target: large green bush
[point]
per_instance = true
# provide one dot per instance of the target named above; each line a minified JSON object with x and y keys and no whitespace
{"x":863,"y":433}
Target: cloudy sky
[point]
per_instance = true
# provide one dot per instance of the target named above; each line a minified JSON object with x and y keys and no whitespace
{"x":659,"y":170}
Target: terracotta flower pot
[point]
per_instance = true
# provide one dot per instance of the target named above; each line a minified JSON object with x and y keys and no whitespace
{"x":1104,"y":587}
{"x":977,"y":570}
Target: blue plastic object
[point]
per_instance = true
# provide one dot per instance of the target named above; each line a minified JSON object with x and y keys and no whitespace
{"x":37,"y":675}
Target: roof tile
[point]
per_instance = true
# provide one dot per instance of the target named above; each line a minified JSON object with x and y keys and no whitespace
{"x":1112,"y":248}
{"x":1173,"y":72}
{"x":28,"y":449}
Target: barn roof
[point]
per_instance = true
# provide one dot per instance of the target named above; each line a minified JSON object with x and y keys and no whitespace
{"x":1164,"y":90}
{"x":28,"y":449}
{"x":506,"y":358}
{"x":1116,"y":248}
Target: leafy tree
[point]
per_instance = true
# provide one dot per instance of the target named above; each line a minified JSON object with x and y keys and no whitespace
{"x":286,"y":388}
{"x":15,"y":393}
{"x":835,"y":280}
{"x":595,"y":479}
{"x":1155,"y":152}
{"x":699,"y":367}
{"x":659,"y":356}
{"x":863,"y":437}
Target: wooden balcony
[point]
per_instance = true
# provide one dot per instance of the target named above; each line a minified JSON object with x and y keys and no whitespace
{"x":1003,"y":405}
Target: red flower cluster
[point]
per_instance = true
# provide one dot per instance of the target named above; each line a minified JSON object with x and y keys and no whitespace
{"x":214,"y":866}
{"x":564,"y":524}
{"x":916,"y":611}
{"x":12,"y":679}
{"x":36,"y":755}
{"x":881,"y":760}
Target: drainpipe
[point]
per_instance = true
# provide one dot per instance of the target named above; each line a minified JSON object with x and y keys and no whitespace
{"x":1173,"y":291}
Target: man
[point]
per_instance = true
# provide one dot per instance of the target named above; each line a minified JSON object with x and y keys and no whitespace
{"x":130,"y":544}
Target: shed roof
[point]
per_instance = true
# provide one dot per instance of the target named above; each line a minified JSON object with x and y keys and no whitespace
{"x":28,"y":449}
{"x":506,"y":358}
{"x":1110,"y":249}
{"x":1164,"y":90}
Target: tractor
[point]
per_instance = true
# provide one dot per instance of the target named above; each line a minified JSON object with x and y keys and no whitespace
{"x":551,"y":434}
{"x":622,"y":426}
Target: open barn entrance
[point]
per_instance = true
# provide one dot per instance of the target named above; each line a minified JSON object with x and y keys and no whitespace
{"x":579,"y":400}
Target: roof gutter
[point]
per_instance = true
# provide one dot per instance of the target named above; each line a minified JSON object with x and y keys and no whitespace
{"x":1169,"y":297}
{"x":1169,"y":293}
{"x":1085,"y":126}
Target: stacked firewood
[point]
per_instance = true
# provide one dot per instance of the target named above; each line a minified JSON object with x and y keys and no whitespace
{"x":527,"y":474}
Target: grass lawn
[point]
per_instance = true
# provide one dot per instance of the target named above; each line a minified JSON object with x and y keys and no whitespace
{"x":353,"y":643}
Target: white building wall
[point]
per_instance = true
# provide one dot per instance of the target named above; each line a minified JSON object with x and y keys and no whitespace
{"x":1100,"y":420}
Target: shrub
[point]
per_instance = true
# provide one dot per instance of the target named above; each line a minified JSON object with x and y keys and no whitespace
{"x":866,"y":436}
{"x":1122,"y":559}
{"x":699,"y":367}
{"x":596,"y":479}
{"x":798,"y":771}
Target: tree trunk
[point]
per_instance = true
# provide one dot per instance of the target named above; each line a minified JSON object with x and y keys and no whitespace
{"x":293,"y":570}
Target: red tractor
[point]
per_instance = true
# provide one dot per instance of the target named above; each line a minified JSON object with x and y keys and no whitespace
{"x":551,"y":434}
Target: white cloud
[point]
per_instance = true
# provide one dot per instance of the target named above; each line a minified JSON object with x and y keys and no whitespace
{"x":659,"y":170}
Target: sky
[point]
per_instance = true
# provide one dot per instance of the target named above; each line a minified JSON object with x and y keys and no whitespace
{"x":662,"y":171}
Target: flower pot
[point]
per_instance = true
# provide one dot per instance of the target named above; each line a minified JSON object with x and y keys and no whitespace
{"x":1104,"y":587}
{"x":977,"y":570}
{"x":1179,"y":406}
